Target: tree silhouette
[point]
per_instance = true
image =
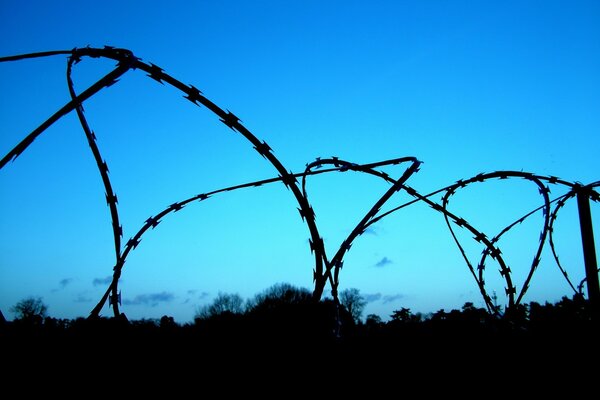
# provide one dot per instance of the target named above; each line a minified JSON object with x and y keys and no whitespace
{"x":30,"y":309}
{"x":167,"y":322}
{"x":222,"y":304}
{"x":402,"y":315}
{"x":278,"y":295}
{"x":373,"y":320}
{"x":353,"y":301}
{"x":439,"y":315}
{"x":285,"y":313}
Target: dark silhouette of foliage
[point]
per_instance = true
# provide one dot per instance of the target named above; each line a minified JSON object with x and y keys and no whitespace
{"x":403,"y":315}
{"x":277,"y":296}
{"x":224,"y":303}
{"x":31,"y":309}
{"x":353,"y":301}
{"x":167,"y":322}
{"x":373,"y":320}
{"x":285,"y":312}
{"x":288,"y":330}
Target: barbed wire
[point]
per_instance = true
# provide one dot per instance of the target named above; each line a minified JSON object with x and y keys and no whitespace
{"x":325,"y":269}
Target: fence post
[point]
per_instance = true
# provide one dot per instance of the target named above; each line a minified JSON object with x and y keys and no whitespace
{"x":589,"y":250}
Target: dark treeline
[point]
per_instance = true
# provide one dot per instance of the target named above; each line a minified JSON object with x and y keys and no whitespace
{"x":285,"y":328}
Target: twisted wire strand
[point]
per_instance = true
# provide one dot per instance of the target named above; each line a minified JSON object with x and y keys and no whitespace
{"x":325,"y":270}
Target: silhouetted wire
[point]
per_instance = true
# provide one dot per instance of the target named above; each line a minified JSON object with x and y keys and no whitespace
{"x":325,"y":270}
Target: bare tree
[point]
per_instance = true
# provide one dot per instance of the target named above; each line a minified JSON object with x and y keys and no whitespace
{"x":353,"y":301}
{"x":30,"y":309}
{"x":223,"y":303}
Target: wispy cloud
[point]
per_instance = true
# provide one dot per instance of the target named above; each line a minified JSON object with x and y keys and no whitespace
{"x":389,"y":298}
{"x":194,"y":293}
{"x":150,"y":299}
{"x":64,"y":282}
{"x":369,"y":298}
{"x":383,"y":262}
{"x":203,"y":295}
{"x":468,"y":294}
{"x":102,"y":281}
{"x":82,"y":298}
{"x":371,"y":231}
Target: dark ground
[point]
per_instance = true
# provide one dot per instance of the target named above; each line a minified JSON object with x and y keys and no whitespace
{"x":549,"y":346}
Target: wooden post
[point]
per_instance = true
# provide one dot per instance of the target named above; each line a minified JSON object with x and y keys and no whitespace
{"x":589,"y":250}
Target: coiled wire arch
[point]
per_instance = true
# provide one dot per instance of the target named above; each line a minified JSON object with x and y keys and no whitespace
{"x":325,"y":270}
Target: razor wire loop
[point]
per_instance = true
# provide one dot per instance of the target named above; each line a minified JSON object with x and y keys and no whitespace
{"x":336,"y":262}
{"x":325,"y":270}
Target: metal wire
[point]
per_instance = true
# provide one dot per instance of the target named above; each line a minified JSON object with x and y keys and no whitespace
{"x":325,"y":269}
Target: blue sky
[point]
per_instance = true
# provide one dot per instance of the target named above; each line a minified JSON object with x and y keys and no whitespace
{"x":466,"y":87}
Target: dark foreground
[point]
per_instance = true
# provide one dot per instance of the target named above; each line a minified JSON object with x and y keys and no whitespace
{"x":552,"y":345}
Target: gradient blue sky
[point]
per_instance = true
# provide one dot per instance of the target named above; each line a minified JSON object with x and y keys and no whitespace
{"x":464,"y":86}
